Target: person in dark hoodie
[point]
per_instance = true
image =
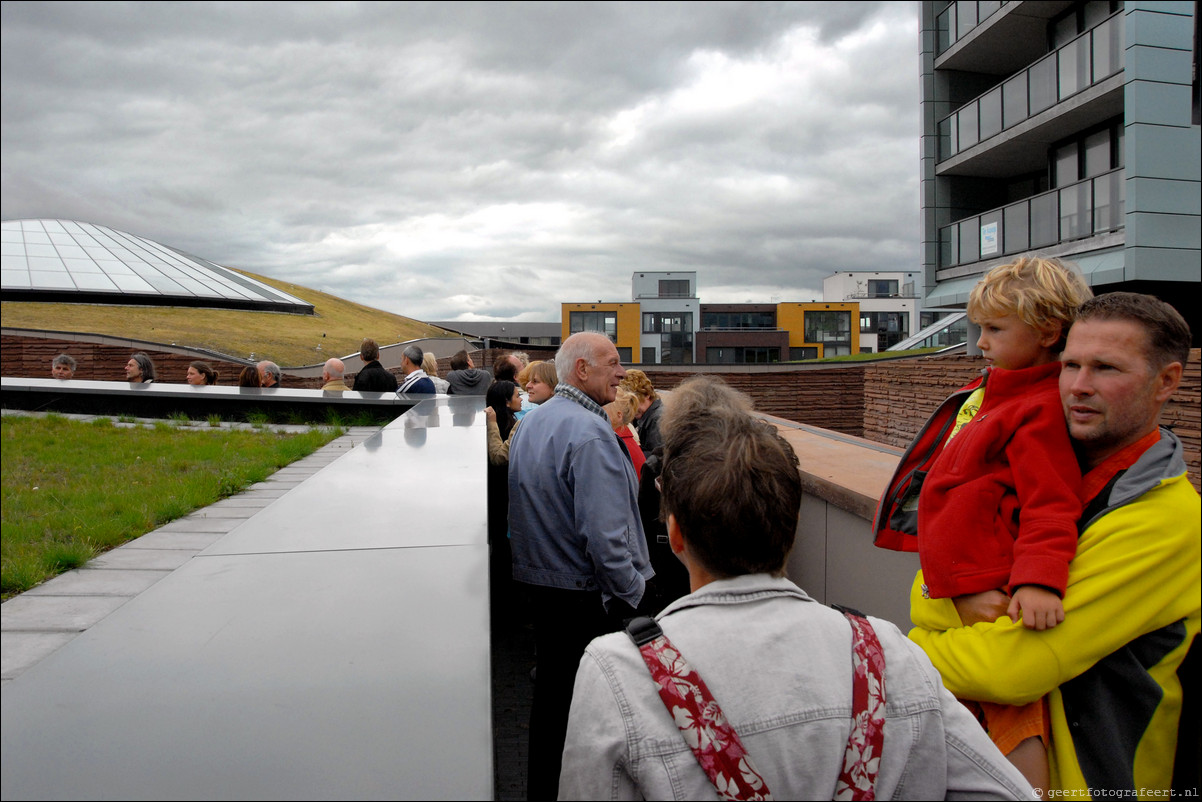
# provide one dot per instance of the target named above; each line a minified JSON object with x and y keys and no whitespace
{"x":373,"y":377}
{"x":465,"y":378}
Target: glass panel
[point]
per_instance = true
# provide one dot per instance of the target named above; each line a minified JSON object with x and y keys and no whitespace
{"x":1074,"y":67}
{"x":991,"y":113}
{"x":968,"y":125}
{"x":1064,"y":165}
{"x":1097,"y":154}
{"x":987,"y":8}
{"x":949,"y":253}
{"x":1015,"y":228}
{"x":1014,"y":100}
{"x":1108,"y":202}
{"x":970,"y":240}
{"x":1107,"y":49}
{"x":1076,"y":213}
{"x":991,"y":234}
{"x":947,"y":137}
{"x":945,"y":23}
{"x":1044,"y":220}
{"x":966,"y":12}
{"x":1042,"y":77}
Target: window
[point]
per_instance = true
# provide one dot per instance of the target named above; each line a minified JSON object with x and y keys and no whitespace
{"x":676,"y":335}
{"x":882,"y":288}
{"x":830,"y":328}
{"x":674,"y":288}
{"x":604,"y":322}
{"x":738,"y":320}
{"x":890,"y":327}
{"x":741,"y":355}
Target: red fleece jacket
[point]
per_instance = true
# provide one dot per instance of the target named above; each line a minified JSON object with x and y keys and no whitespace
{"x":999,"y":505}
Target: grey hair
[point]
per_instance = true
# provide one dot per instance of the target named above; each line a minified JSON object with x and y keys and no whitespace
{"x":581,"y":345}
{"x":414,"y":354}
{"x":64,"y":359}
{"x":145,"y":365}
{"x":271,"y":369}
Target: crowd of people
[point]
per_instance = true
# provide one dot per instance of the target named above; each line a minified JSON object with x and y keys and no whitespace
{"x":644,"y":539}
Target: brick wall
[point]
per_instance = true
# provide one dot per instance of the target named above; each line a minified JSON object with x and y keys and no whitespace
{"x":832,"y":399}
{"x":899,"y":397}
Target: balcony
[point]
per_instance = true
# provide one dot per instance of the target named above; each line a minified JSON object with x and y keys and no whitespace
{"x":1083,"y":63}
{"x":1076,"y":211}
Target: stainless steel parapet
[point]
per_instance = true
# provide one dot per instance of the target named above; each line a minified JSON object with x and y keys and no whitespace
{"x":155,"y":399}
{"x":336,"y":645}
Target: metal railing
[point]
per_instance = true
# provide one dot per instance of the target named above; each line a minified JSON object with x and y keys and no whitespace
{"x":1089,"y":59}
{"x":1083,"y":209}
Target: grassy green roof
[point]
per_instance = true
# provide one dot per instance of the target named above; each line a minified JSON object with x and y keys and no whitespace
{"x":338,"y":325}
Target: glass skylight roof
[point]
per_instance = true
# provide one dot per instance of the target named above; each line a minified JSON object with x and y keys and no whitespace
{"x":62,"y":260}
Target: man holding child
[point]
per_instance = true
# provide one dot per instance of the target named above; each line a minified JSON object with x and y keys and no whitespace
{"x":1109,"y":670}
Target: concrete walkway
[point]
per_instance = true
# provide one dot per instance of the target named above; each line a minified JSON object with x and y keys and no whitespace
{"x":42,"y":620}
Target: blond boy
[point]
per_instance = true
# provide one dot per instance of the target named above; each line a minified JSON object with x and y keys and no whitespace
{"x":988,"y":493}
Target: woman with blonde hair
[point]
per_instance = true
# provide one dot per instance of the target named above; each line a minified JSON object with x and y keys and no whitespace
{"x":430,"y":366}
{"x":621,"y":413}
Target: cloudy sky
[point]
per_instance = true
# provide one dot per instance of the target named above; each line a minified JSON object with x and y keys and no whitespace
{"x":477,"y":160}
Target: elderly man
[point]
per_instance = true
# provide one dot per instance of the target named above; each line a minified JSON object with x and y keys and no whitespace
{"x":331,"y":374}
{"x":269,"y":374}
{"x":416,"y":380}
{"x":63,"y":366}
{"x":777,"y":662}
{"x":1109,"y":671}
{"x":578,"y":545}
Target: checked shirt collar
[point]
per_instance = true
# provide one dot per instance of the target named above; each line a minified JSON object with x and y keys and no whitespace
{"x":574,"y":394}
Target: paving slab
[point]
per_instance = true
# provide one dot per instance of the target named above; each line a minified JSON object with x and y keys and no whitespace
{"x":190,"y":525}
{"x":55,"y":613}
{"x":187,"y":541}
{"x":98,"y":582}
{"x":143,"y":559}
{"x":23,"y":650}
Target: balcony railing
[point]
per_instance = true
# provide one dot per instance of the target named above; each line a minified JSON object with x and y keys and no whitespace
{"x":958,"y":20}
{"x":1089,"y":59}
{"x":1089,"y":207}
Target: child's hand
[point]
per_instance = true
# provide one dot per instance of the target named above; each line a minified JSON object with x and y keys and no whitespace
{"x":1040,"y":608}
{"x":977,"y":608}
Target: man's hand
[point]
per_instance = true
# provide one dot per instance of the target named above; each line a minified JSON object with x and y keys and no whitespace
{"x":1039,"y":607}
{"x":982,"y":608}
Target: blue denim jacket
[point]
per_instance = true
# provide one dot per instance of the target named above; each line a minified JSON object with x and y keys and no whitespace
{"x":779,"y":664}
{"x":573,"y":505}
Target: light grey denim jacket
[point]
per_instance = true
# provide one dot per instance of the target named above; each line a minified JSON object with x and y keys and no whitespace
{"x":779,"y":664}
{"x":573,"y":505}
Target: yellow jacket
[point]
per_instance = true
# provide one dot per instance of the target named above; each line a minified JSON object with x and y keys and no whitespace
{"x":1109,"y":670}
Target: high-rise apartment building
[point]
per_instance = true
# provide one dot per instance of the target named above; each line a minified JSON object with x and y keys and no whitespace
{"x":1070,"y":129}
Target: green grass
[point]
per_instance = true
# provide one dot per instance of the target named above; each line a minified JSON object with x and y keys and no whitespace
{"x":72,"y":490}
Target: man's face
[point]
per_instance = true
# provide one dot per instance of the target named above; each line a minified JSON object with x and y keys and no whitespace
{"x":1111,"y":392}
{"x":61,"y":371}
{"x":264,"y":376}
{"x":602,"y":375}
{"x":133,"y":373}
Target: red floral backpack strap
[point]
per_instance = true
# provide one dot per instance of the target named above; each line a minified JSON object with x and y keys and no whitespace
{"x":717,"y":746}
{"x":705,"y":729}
{"x":862,"y":760}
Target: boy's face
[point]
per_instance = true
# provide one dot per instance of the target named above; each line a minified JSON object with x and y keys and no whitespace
{"x":1009,"y":343}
